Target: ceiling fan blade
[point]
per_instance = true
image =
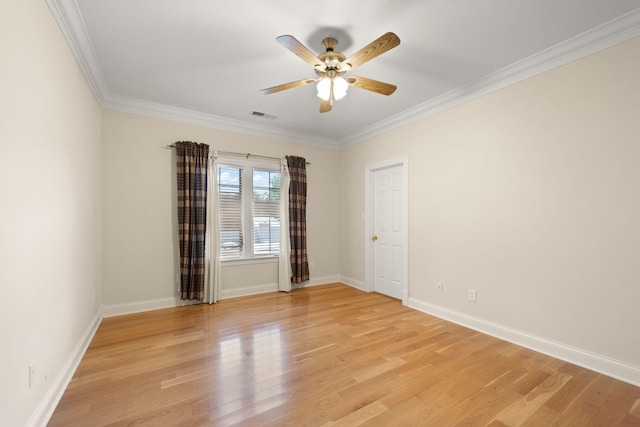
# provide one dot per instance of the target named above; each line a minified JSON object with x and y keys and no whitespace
{"x":376,"y":48}
{"x":372,"y":85}
{"x":325,"y":106}
{"x":299,"y":49}
{"x":286,"y":86}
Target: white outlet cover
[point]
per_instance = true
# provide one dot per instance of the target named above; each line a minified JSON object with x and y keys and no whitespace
{"x":32,"y":373}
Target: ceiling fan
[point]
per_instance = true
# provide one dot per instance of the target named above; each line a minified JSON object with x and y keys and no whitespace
{"x":331,"y":65}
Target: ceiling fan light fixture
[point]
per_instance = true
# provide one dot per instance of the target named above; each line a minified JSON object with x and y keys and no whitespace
{"x":324,"y":88}
{"x":340,"y":87}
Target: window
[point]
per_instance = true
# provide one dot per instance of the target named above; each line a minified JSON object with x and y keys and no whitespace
{"x":266,"y":212}
{"x":249,"y":218}
{"x":230,"y":196}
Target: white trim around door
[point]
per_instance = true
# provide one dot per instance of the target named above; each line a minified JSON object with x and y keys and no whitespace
{"x":402,"y":161}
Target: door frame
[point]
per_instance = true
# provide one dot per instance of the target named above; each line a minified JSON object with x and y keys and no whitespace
{"x":402,"y":161}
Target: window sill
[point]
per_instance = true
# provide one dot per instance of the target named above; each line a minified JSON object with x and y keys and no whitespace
{"x":248,"y":261}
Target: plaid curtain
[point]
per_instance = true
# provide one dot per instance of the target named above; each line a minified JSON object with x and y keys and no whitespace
{"x":298,"y":218}
{"x":191,"y":166}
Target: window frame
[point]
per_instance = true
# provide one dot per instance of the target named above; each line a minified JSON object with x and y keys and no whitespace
{"x":246,"y":169}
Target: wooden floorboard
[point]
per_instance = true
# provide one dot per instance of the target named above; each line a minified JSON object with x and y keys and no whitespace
{"x":327,"y":355}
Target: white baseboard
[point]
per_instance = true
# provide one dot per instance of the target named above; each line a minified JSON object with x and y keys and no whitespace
{"x":52,"y":396}
{"x":593,"y":361}
{"x":317,"y":281}
{"x":156,"y":304}
{"x":140,"y":306}
{"x":358,"y":284}
{"x":273,"y":287}
{"x":247,"y":291}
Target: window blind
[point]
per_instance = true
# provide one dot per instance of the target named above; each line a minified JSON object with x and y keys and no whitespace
{"x":230,"y":211}
{"x":265,"y":209}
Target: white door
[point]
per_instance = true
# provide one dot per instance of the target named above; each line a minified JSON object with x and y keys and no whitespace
{"x":388,"y":231}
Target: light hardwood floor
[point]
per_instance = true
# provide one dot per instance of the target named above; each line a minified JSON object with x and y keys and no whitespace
{"x":322,"y":356}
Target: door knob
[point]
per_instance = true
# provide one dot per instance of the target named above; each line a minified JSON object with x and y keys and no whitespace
{"x":374,"y":238}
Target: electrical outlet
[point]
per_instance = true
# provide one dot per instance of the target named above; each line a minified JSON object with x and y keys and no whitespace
{"x":473,"y":296}
{"x":32,"y":373}
{"x":439,"y":287}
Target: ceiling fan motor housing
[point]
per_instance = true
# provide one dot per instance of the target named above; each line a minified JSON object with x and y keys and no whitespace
{"x":331,"y":59}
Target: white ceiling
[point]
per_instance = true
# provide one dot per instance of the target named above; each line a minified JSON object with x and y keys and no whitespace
{"x":204,"y":61}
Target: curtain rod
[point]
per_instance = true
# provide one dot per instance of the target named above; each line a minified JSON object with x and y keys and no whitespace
{"x":233,"y":153}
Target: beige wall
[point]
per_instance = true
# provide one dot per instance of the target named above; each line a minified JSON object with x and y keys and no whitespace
{"x":139,"y":215}
{"x":50,"y":215}
{"x":528,"y":195}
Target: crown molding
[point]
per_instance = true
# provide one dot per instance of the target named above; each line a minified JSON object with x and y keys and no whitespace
{"x":621,"y":29}
{"x":163,"y":111}
{"x":71,"y":24}
{"x":69,"y":19}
